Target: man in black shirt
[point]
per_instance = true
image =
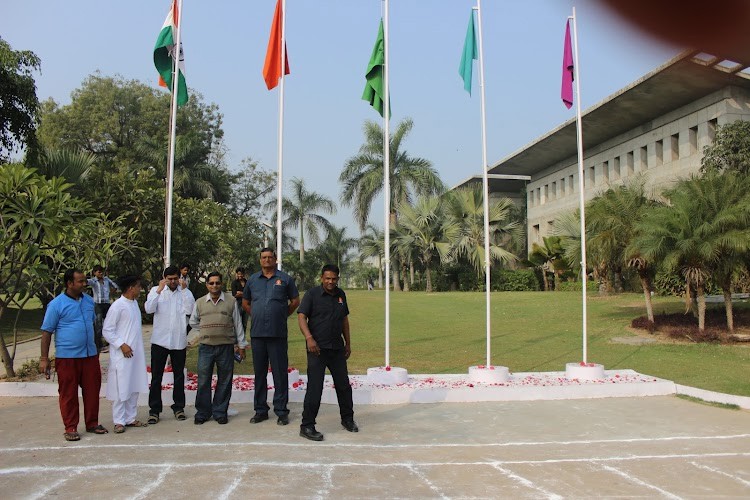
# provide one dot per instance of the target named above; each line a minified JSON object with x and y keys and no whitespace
{"x":238,"y":285}
{"x":323,"y":318}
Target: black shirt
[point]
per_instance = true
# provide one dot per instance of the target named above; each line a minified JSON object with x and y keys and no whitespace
{"x":238,"y":286}
{"x":325,"y":316}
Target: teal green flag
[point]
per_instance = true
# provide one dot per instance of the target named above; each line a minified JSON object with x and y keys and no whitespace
{"x":468,"y":55}
{"x":375,"y":73}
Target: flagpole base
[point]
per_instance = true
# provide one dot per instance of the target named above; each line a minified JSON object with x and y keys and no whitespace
{"x":387,"y":375}
{"x":584,"y":371}
{"x":489,"y":374}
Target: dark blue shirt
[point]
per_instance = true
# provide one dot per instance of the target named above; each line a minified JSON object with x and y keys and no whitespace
{"x":72,"y":323}
{"x":269,"y":299}
{"x":325,"y":316}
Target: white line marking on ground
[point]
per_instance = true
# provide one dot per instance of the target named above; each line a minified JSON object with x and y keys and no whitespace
{"x":529,"y":484}
{"x":378,"y":446}
{"x":153,"y":486}
{"x":415,"y":470}
{"x":718,"y":471}
{"x":63,"y":468}
{"x":637,"y":481}
{"x":324,"y":491}
{"x":233,"y":486}
{"x":42,"y":493}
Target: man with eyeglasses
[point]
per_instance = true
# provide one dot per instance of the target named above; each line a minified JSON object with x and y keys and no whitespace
{"x":269,"y":298}
{"x":171,"y":303}
{"x":216,"y":318}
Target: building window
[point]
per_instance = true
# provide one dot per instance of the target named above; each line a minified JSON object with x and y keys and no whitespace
{"x":553,"y":191}
{"x":539,"y":200}
{"x":629,"y":165}
{"x":535,"y":233}
{"x":616,"y":174}
{"x":571,"y":184}
{"x":605,"y":172}
{"x":712,"y":125}
{"x":674,"y":147}
{"x":562,"y":187}
{"x":693,"y":140}
{"x":643,"y":159}
{"x":658,"y":153}
{"x":546,"y":193}
{"x":592,"y":176}
{"x":531,"y":198}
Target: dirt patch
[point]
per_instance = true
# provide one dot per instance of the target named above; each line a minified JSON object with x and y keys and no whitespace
{"x":684,"y":327}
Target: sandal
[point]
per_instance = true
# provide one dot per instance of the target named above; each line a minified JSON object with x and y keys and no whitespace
{"x":119,"y":428}
{"x":136,"y":423}
{"x":99,"y":429}
{"x":180,"y":415}
{"x":153,"y":419}
{"x":72,"y":436}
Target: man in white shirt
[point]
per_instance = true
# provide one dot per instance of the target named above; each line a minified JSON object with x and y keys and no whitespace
{"x":171,"y":302}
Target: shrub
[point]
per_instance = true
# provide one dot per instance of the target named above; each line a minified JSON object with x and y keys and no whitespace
{"x":518,"y":280}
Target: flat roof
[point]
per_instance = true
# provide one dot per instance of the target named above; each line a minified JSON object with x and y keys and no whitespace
{"x":680,"y":81}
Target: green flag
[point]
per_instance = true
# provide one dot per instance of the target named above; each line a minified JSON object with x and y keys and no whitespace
{"x":375,"y":74}
{"x":468,"y":55}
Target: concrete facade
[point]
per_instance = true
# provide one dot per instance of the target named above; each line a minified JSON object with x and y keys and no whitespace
{"x":656,"y":127}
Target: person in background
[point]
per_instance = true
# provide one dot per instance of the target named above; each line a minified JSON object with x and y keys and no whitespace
{"x":238,"y":285}
{"x":100,"y":288}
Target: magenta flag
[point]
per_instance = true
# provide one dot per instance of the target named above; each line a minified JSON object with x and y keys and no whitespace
{"x":566,"y":90}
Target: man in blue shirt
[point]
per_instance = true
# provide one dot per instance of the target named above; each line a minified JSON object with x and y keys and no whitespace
{"x":70,"y":317}
{"x":269,"y":298}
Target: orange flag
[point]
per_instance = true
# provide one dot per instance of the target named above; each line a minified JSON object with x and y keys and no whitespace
{"x":272,"y":66}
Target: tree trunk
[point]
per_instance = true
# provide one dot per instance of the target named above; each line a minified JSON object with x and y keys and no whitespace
{"x":428,"y":278}
{"x":545,"y":279}
{"x":7,"y":360}
{"x":380,"y":272}
{"x":411,"y":273}
{"x":404,"y":272}
{"x":301,"y":242}
{"x":395,"y":271}
{"x":557,"y":280}
{"x":618,"y":281}
{"x":728,"y":306}
{"x":646,"y":285}
{"x":701,"y":307}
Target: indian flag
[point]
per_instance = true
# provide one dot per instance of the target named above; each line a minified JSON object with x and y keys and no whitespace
{"x":164,"y":51}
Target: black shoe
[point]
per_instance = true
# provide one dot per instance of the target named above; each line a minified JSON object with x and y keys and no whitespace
{"x":258,"y":418}
{"x":283,"y":420}
{"x":200,"y":421}
{"x":310,"y":433}
{"x":222,"y":420}
{"x":350,"y":425}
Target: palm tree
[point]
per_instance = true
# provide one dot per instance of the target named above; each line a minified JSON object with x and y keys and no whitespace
{"x":73,"y":166}
{"x":362,"y":177}
{"x":707,"y":219}
{"x":299,"y":212}
{"x":464,"y":229}
{"x":421,"y":229}
{"x":371,"y":244}
{"x":336,"y":245}
{"x":550,"y":257}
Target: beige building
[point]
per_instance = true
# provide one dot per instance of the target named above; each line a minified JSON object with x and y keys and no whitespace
{"x":657,"y":126}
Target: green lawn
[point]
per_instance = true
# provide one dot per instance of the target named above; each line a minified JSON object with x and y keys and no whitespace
{"x":531,"y":331}
{"x":28,"y":322}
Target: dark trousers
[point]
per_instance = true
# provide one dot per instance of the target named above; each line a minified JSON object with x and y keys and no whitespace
{"x":158,"y":362}
{"x":72,"y":373}
{"x":335,"y":361}
{"x":221,"y":356}
{"x":273,"y":350}
{"x":100,"y":313}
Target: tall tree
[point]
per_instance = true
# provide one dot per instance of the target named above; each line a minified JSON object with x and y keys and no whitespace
{"x":421,"y":228}
{"x":730,"y":149}
{"x":299,"y":211}
{"x":550,"y":258}
{"x":337,"y":245}
{"x":706,"y":222}
{"x":464,"y":231}
{"x":251,"y":188}
{"x":18,"y":101}
{"x":371,"y":244}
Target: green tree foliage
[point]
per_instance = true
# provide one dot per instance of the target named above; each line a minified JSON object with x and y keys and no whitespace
{"x":730,"y":150}
{"x":43,"y":231}
{"x":336,"y":247}
{"x":251,"y":188}
{"x":549,"y":257}
{"x":372,"y":245}
{"x":18,"y":100}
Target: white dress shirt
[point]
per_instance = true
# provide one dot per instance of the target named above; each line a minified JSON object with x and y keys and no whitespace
{"x":170,"y":310}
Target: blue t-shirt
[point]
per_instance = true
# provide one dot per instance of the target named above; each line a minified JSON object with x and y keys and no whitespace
{"x":72,"y":323}
{"x":269,"y":299}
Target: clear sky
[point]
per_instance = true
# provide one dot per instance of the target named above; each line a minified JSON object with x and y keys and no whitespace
{"x":329,"y":44}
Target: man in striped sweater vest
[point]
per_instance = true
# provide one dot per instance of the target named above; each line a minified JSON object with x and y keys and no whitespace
{"x":216,"y":319}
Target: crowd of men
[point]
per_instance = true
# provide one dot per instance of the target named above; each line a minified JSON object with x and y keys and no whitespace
{"x":216,"y":323}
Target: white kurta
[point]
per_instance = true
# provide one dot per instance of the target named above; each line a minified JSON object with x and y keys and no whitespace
{"x":123,"y":326}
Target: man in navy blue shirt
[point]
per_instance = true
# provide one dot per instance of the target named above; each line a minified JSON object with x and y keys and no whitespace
{"x":269,"y":298}
{"x":323,"y":319}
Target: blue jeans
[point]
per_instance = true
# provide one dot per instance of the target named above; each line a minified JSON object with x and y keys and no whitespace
{"x":222,"y":356}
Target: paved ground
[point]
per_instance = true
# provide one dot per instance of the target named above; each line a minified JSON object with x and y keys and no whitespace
{"x":619,"y":447}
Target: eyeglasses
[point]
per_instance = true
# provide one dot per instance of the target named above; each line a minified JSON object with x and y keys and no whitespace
{"x":172,"y":279}
{"x":214,"y":283}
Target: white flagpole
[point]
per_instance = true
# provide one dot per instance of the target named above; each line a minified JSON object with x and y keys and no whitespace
{"x":387,"y":187}
{"x":485,"y":183}
{"x":581,"y":197}
{"x":176,"y":54}
{"x":280,"y":177}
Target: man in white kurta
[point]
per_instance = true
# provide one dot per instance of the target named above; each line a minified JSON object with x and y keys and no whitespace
{"x":171,"y":302}
{"x":127,"y":361}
